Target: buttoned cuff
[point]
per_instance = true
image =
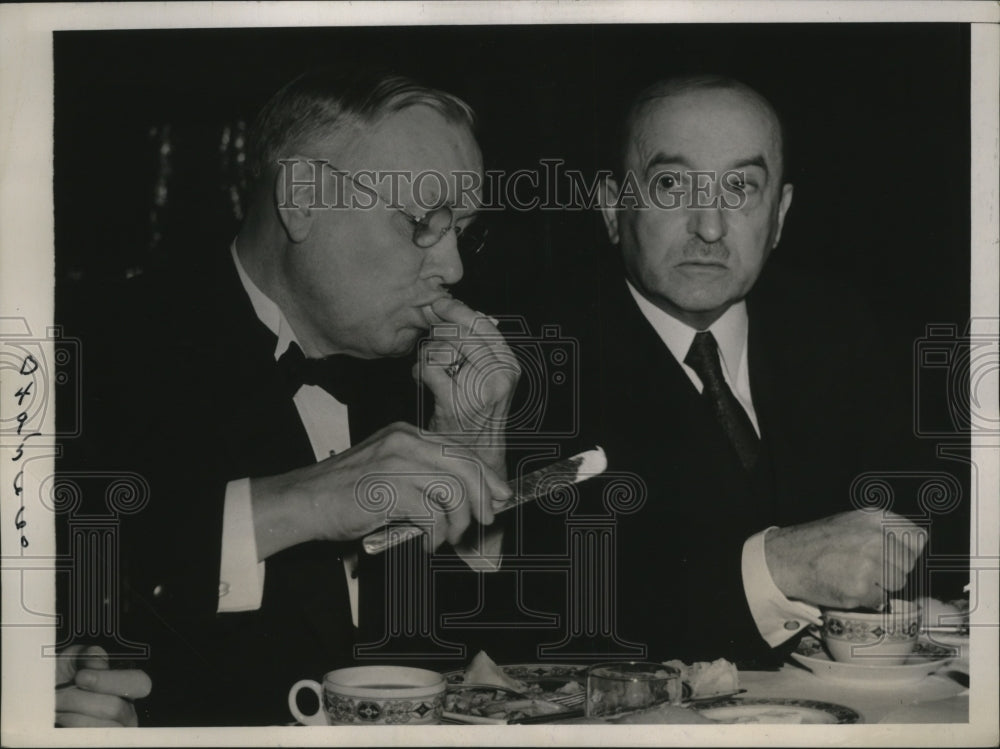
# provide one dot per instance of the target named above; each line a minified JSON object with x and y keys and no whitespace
{"x":777,"y":618}
{"x":241,"y":576}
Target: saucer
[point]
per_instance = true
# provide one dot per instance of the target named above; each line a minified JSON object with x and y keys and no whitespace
{"x":925,"y":660}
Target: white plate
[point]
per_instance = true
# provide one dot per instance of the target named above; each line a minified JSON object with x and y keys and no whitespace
{"x":777,"y":711}
{"x":923,"y":662}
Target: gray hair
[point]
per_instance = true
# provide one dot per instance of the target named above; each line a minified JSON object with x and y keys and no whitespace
{"x":321,"y":102}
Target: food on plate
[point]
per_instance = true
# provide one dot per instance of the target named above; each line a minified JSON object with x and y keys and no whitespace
{"x":488,"y":693}
{"x":496,"y":704}
{"x":705,"y":678}
{"x":571,"y":687}
{"x":483,"y":670}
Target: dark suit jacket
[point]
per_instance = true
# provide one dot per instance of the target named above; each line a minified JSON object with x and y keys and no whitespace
{"x":181,"y":387}
{"x":675,"y":571}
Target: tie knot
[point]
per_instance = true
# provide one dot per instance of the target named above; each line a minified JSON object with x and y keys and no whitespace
{"x":703,"y":358}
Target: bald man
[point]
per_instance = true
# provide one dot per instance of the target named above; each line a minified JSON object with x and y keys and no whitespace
{"x":739,"y":403}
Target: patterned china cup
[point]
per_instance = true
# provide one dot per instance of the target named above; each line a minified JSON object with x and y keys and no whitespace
{"x":877,"y":639}
{"x":373,"y":695}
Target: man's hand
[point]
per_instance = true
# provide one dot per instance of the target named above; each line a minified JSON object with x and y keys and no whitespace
{"x":89,"y":693}
{"x":472,"y":375}
{"x":844,"y":561}
{"x":397,"y":473}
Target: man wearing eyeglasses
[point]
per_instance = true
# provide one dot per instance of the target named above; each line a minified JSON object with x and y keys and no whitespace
{"x":278,"y":394}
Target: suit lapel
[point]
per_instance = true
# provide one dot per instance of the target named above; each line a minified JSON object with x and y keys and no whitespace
{"x":654,"y":414}
{"x":634,"y":358}
{"x":266,"y":437}
{"x":268,"y":433}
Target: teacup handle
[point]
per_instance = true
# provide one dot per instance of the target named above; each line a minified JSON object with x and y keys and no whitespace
{"x":316,"y":719}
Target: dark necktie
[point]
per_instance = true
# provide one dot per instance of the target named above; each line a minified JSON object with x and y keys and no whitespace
{"x":703,"y":358}
{"x":340,"y":375}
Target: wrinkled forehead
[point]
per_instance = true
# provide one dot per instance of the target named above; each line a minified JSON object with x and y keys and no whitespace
{"x":708,"y":128}
{"x":423,"y":148}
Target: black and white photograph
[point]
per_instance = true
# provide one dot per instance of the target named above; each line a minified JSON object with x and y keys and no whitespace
{"x":500,"y":373}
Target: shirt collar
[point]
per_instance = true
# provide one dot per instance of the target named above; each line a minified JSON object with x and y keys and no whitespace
{"x":730,"y":331}
{"x":267,"y":311}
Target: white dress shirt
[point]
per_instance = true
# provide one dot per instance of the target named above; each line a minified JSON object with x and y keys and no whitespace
{"x":241,"y":576}
{"x":777,"y":617}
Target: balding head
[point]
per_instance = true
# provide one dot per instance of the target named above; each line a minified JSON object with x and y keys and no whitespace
{"x":653,"y":94}
{"x":700,"y":201}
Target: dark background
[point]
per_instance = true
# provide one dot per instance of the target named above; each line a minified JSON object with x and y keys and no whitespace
{"x":878,"y":119}
{"x":877,"y":116}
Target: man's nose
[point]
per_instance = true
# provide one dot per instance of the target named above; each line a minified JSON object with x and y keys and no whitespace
{"x":709,"y":223}
{"x":443,"y":260}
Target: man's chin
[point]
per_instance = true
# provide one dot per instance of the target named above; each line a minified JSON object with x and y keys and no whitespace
{"x":706,"y":298}
{"x":402,"y":344}
{"x":697,"y":310}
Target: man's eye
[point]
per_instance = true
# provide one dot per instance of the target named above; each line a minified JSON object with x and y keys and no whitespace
{"x":742,"y":184}
{"x":667,"y":181}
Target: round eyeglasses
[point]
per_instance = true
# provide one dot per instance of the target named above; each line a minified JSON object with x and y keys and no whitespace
{"x":430,"y":229}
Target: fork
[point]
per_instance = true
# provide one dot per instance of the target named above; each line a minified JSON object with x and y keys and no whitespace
{"x":568,"y":700}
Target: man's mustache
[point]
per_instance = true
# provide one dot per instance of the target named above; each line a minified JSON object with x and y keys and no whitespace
{"x":699,"y":249}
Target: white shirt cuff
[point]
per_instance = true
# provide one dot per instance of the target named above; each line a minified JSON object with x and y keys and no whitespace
{"x":241,"y":576}
{"x":351,"y":570}
{"x":777,"y":617}
{"x":483,"y":552}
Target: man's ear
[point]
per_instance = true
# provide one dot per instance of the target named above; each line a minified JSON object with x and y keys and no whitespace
{"x":298,"y":193}
{"x":783,"y":204}
{"x":608,"y":196}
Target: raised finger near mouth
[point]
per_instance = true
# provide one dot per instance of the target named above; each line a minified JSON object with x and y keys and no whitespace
{"x":451,"y":310}
{"x":431,"y":317}
{"x":456,"y":325}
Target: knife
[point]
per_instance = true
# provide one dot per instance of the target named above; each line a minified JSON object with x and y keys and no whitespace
{"x":575,"y":469}
{"x":549,"y":717}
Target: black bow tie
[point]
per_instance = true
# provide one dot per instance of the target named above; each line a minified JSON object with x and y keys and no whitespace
{"x":342,"y":376}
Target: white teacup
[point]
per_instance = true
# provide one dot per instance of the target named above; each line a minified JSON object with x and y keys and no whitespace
{"x":373,"y":695}
{"x":879,"y":639}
